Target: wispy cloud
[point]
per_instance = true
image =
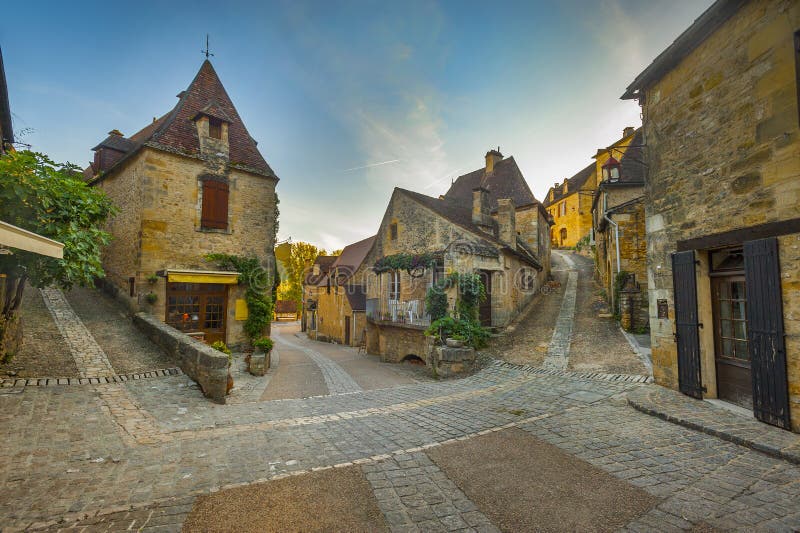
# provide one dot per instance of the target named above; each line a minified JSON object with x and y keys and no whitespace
{"x":370,"y":165}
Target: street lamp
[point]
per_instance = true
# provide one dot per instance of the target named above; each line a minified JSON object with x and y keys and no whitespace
{"x":611,"y":169}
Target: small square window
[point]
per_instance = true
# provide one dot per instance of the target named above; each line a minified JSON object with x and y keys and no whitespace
{"x":214,"y":128}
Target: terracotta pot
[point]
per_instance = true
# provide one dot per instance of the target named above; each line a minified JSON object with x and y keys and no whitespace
{"x":230,"y":384}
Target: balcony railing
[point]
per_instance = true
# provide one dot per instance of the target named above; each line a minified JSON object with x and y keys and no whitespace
{"x":410,"y":312}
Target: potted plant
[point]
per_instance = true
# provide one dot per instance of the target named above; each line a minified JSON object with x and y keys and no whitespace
{"x":260,"y":359}
{"x":152,"y":279}
{"x":151,"y":297}
{"x":456,"y":341}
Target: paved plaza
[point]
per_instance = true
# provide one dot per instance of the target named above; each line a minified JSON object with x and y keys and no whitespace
{"x":141,"y":454}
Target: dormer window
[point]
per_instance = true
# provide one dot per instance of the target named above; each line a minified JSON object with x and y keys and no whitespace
{"x":214,"y":128}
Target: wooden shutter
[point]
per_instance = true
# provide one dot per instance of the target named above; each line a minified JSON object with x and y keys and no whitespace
{"x":684,"y":283}
{"x":765,"y":332}
{"x":215,"y":205}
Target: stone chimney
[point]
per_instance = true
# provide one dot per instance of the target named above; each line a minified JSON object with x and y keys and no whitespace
{"x":480,"y":209}
{"x":627,"y":132}
{"x":492,"y":157}
{"x":507,"y":222}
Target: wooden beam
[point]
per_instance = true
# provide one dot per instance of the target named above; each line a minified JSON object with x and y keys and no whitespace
{"x":738,"y":236}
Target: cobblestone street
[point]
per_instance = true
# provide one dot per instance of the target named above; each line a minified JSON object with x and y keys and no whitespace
{"x":138,"y":454}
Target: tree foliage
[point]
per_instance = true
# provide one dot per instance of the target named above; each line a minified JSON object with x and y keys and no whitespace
{"x":52,"y":200}
{"x":45,"y":198}
{"x":301,"y":259}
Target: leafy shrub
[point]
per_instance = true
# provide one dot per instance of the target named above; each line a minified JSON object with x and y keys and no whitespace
{"x":265,"y":343}
{"x":221,"y":347}
{"x":436,"y":303}
{"x":151,"y":297}
{"x":470,"y":331}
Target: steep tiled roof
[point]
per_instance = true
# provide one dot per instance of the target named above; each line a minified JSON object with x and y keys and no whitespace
{"x":632,"y":162}
{"x":462,"y":216}
{"x":356,"y":297}
{"x":117,"y":142}
{"x":351,"y":258}
{"x":325,"y":263}
{"x":505,"y":181}
{"x":176,"y":131}
{"x":573,"y":185}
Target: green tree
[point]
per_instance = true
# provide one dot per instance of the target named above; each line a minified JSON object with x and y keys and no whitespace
{"x":52,"y":200}
{"x":301,"y":259}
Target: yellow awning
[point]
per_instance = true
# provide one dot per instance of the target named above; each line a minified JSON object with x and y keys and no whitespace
{"x":202,"y":276}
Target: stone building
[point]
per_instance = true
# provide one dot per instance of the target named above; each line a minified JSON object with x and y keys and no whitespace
{"x":570,"y":205}
{"x":336,"y":299}
{"x":488,"y":234}
{"x":619,"y":230}
{"x":189,"y":184}
{"x":720,"y":108}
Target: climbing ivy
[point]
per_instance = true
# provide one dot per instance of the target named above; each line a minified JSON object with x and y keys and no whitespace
{"x":258,"y":291}
{"x":403,"y":261}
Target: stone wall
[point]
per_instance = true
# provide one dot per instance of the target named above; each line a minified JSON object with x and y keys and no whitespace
{"x":160,"y":199}
{"x":121,"y":257}
{"x":205,"y":365}
{"x":723,"y":150}
{"x":632,"y":249}
{"x":394,"y":342}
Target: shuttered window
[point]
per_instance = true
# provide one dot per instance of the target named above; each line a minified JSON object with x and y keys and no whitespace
{"x":765,"y":332}
{"x":687,"y":336}
{"x":215,"y":205}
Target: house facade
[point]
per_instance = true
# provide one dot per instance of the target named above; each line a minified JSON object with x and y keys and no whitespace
{"x":570,"y":205}
{"x":618,"y":219}
{"x":336,"y":299}
{"x":189,"y":184}
{"x":481,"y":236}
{"x":722,"y":136}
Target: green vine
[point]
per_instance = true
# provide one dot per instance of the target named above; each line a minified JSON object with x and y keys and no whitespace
{"x":403,"y":261}
{"x":258,"y":291}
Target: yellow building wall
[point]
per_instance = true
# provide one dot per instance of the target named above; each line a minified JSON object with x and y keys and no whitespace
{"x":577,"y":221}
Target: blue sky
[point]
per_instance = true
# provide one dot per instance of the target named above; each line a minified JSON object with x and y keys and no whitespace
{"x":331,"y":89}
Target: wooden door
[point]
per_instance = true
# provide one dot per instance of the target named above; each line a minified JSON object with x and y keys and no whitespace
{"x":731,"y":353}
{"x":485,"y":308}
{"x":687,"y":337}
{"x":347,"y":330}
{"x":194,"y":307}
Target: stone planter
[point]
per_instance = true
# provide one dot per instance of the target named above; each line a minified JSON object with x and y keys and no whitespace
{"x":454,"y":343}
{"x":259,"y":362}
{"x":447,"y":362}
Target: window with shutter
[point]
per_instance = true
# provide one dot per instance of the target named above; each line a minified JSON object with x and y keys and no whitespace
{"x":765,"y":332}
{"x":215,"y":205}
{"x":687,"y":336}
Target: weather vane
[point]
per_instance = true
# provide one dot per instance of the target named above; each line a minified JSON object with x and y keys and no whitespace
{"x":206,"y":52}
